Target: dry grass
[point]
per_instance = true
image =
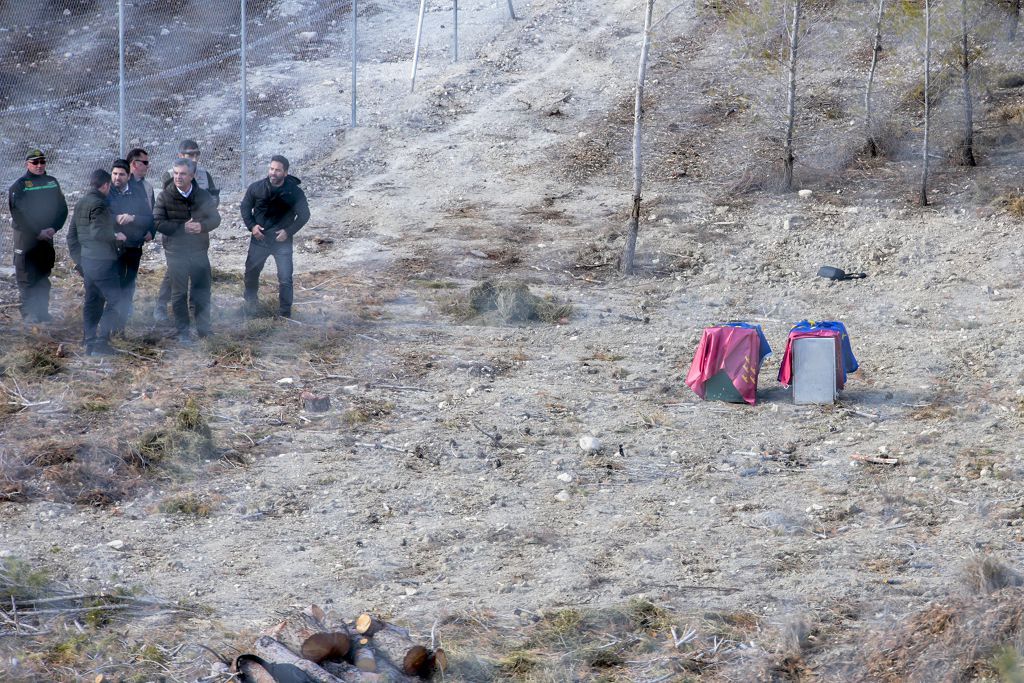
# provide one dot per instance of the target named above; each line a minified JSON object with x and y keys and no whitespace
{"x":512,"y":302}
{"x":636,"y":641}
{"x":971,"y":638}
{"x":187,"y":505}
{"x":33,"y":361}
{"x":63,"y":638}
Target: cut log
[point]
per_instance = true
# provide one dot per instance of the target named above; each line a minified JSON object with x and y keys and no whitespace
{"x":252,"y":669}
{"x":350,"y":674}
{"x":295,"y":630}
{"x":321,"y":647}
{"x":439,"y":661}
{"x":316,"y":612}
{"x":399,"y":650}
{"x":362,"y":655}
{"x":385,"y":673}
{"x":416,"y":661}
{"x":367,"y":625}
{"x":283,"y":659}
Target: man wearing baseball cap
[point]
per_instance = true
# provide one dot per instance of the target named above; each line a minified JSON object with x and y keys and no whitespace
{"x":38,"y":211}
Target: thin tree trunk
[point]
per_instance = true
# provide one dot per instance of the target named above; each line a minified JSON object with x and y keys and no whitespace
{"x":876,"y":48}
{"x":629,"y":251}
{"x":1014,"y":20}
{"x":787,"y":158}
{"x":923,"y":198}
{"x":965,"y":68}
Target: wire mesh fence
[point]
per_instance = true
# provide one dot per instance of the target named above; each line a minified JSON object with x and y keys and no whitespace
{"x":87,"y":80}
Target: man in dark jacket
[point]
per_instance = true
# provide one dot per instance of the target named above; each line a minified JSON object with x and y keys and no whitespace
{"x":38,"y":211}
{"x":130,"y":207}
{"x":273,"y":209}
{"x":98,"y":244}
{"x":187,"y":149}
{"x":185,"y":214}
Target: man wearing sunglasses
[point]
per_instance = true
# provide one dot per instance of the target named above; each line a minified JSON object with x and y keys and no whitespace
{"x":187,"y":149}
{"x":38,"y":211}
{"x":138,"y":164}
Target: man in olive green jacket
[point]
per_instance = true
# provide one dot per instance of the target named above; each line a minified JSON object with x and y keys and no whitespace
{"x":96,"y":251}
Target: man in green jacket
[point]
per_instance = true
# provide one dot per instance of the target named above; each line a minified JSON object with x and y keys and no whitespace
{"x":185,"y":214}
{"x":99,"y":244}
{"x":38,"y":211}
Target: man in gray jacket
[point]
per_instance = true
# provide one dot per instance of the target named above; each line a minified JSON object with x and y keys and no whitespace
{"x":98,"y":246}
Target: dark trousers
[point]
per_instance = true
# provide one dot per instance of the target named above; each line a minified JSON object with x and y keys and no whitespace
{"x":128,"y":272}
{"x":191,"y":280}
{"x":32,"y":268}
{"x":101,"y":310}
{"x":259,"y":252}
{"x":164,"y":297}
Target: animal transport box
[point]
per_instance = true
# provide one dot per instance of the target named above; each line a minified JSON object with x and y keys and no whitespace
{"x":816,"y":361}
{"x":727,"y":362}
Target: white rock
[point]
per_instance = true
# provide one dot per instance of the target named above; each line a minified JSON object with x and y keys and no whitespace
{"x":286,"y":380}
{"x":565,"y":477}
{"x":590,"y":444}
{"x":563,"y":496}
{"x":116,"y":545}
{"x":308,"y":36}
{"x":165,"y":32}
{"x":804,"y":194}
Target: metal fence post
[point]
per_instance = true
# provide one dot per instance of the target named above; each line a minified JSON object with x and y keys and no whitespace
{"x":245,"y":97}
{"x":416,"y":49}
{"x":120,"y":75}
{"x":355,"y":57}
{"x":455,"y":30}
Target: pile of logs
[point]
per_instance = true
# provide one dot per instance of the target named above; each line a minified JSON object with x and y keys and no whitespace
{"x":305,"y":649}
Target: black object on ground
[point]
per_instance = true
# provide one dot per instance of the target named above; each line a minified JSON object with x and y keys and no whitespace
{"x":833,"y":273}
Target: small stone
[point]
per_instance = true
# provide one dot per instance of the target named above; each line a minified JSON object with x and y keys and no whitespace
{"x":478,"y":253}
{"x":804,"y":194}
{"x":791,"y":221}
{"x":308,"y":36}
{"x":286,"y":380}
{"x":409,"y":590}
{"x":590,"y":444}
{"x":565,"y":477}
{"x":116,"y":545}
{"x":563,"y":496}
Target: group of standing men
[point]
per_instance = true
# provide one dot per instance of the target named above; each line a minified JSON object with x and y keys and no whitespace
{"x":120,"y":213}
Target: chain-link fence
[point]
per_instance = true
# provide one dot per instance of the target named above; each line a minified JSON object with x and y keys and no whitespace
{"x":71,"y":71}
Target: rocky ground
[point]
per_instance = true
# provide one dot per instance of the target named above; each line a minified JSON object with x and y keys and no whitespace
{"x":446,"y":484}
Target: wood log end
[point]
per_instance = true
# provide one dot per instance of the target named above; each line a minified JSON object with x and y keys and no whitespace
{"x":321,"y":647}
{"x":440,"y":660}
{"x":415,"y":660}
{"x":367,"y":625}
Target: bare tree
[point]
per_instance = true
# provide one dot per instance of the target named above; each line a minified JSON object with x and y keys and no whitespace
{"x":629,"y":250}
{"x":875,"y":50}
{"x":923,"y":199}
{"x":967,"y":150}
{"x":787,"y":158}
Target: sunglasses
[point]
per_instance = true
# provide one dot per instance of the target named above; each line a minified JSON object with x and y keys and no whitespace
{"x":144,"y":162}
{"x":38,"y":162}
